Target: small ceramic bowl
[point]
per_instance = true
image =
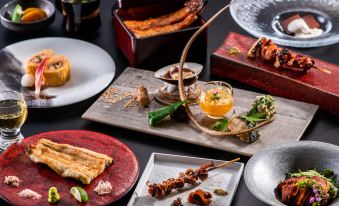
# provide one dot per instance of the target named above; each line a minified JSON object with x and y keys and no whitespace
{"x":47,"y":6}
{"x":162,"y":73}
{"x":268,"y":167}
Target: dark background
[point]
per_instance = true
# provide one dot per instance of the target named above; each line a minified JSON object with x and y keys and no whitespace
{"x":324,"y":127}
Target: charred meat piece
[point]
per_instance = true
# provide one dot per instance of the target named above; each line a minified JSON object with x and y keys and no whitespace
{"x":298,"y":191}
{"x":281,"y":58}
{"x":177,"y":202}
{"x":200,"y":197}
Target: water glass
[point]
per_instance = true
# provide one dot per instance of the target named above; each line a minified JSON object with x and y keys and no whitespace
{"x":13,"y":114}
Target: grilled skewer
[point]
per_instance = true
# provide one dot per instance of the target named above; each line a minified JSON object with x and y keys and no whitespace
{"x":190,"y":176}
{"x":281,"y":57}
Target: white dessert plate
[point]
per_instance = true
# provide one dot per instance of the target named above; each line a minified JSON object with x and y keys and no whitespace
{"x":92,"y":70}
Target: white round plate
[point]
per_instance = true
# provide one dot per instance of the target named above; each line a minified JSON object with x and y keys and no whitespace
{"x":92,"y":70}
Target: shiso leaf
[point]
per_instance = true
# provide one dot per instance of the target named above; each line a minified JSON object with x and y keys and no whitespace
{"x":221,"y":125}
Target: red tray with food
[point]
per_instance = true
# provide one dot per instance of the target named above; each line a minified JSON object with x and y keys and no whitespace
{"x":277,"y":70}
{"x":98,"y":165}
{"x":147,"y":31}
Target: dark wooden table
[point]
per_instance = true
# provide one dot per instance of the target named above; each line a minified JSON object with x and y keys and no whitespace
{"x":324,"y":127}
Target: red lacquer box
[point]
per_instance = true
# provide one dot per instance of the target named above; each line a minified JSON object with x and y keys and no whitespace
{"x":156,"y":51}
{"x":314,"y":87}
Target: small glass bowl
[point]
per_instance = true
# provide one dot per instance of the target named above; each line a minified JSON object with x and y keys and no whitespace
{"x":216,"y":99}
{"x":260,"y":18}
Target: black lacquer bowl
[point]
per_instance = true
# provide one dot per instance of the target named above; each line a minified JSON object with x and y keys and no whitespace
{"x":6,"y":10}
{"x":267,"y":168}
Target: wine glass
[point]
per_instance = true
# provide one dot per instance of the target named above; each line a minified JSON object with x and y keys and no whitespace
{"x":13,"y":113}
{"x":216,"y":99}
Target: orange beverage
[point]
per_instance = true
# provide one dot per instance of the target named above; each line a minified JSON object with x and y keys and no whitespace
{"x":216,"y":99}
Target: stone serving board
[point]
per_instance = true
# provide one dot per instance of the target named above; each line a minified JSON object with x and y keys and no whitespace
{"x":292,"y":117}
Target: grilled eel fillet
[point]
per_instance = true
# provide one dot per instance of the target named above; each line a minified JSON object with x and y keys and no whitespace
{"x":166,"y":29}
{"x":190,"y":7}
{"x":69,"y":161}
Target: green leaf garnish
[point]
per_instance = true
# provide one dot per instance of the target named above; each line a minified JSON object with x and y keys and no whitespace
{"x":221,"y":125}
{"x":256,"y":117}
{"x":328,"y":173}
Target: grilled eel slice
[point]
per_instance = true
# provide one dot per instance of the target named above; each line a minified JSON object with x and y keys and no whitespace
{"x":165,"y":29}
{"x":158,"y":22}
{"x":69,"y":161}
{"x":192,"y":6}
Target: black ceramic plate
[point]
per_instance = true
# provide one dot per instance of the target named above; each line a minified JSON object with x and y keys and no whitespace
{"x":267,"y":168}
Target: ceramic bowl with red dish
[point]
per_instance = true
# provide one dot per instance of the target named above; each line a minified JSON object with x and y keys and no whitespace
{"x":300,"y":173}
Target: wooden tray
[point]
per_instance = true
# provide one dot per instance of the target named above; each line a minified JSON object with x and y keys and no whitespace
{"x":315,"y":87}
{"x":292,"y":117}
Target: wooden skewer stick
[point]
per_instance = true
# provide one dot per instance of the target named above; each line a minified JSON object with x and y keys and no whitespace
{"x":323,"y":70}
{"x":224,"y":164}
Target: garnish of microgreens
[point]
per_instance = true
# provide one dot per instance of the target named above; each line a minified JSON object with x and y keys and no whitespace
{"x":215,"y":95}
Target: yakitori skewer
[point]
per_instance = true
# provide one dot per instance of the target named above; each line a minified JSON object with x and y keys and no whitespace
{"x":190,"y":176}
{"x":281,"y":57}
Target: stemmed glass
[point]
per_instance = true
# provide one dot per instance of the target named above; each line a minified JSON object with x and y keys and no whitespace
{"x":13,"y":113}
{"x":216,"y":99}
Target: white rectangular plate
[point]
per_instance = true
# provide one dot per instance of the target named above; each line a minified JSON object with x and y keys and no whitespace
{"x":163,"y":166}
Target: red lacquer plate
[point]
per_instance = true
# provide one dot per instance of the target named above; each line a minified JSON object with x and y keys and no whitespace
{"x":122,"y":174}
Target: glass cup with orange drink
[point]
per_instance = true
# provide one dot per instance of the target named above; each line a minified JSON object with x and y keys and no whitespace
{"x":216,"y":99}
